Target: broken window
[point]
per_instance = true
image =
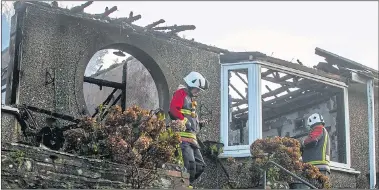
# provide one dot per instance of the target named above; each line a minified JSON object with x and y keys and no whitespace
{"x":288,"y":100}
{"x":260,"y":101}
{"x":103,"y":81}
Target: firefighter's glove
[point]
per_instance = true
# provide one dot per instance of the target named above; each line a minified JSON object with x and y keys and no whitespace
{"x":203,"y":123}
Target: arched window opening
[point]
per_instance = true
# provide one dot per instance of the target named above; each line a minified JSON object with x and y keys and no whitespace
{"x":105,"y":75}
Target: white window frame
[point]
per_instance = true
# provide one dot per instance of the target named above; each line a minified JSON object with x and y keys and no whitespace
{"x":4,"y":86}
{"x":254,"y":107}
{"x":255,"y":125}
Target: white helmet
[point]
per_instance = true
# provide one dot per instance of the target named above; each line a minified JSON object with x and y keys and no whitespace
{"x":314,"y":119}
{"x":196,"y":80}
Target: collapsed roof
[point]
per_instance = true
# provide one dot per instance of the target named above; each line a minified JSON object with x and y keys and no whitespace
{"x":167,"y":32}
{"x":326,"y":69}
{"x":294,"y":92}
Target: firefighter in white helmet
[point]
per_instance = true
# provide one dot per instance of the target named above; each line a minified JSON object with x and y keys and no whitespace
{"x":183,"y":107}
{"x":316,"y":147}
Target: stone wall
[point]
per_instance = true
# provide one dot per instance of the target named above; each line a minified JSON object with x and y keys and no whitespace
{"x":10,"y":129}
{"x":343,"y":180}
{"x":359,"y":136}
{"x":25,"y":167}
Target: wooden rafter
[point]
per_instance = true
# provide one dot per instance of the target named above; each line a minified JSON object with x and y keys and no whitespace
{"x":307,"y":91}
{"x":274,"y":92}
{"x":239,"y":76}
{"x":154,"y":24}
{"x":269,"y":89}
{"x":300,"y":104}
{"x":284,"y":102}
{"x":293,"y":94}
{"x":238,"y":92}
{"x":176,"y":29}
{"x":266,"y":73}
{"x":238,"y":102}
{"x":312,"y":99}
{"x":279,"y":81}
{"x":80,"y":8}
{"x":107,"y":12}
{"x":304,"y":83}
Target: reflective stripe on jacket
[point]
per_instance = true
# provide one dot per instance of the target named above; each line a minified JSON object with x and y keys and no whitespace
{"x":317,"y":149}
{"x":182,"y":107}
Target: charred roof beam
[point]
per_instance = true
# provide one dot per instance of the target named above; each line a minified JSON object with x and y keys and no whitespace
{"x":341,"y":61}
{"x":176,"y":29}
{"x":133,"y":28}
{"x":106,"y":13}
{"x":154,"y":24}
{"x":304,"y":102}
{"x":126,"y":19}
{"x":80,"y":8}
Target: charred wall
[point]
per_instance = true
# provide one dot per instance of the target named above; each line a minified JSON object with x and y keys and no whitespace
{"x":62,"y":44}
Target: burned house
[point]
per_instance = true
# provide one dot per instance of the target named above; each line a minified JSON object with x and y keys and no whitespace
{"x":252,"y":95}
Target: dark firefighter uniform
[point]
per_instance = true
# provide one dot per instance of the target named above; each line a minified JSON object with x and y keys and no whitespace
{"x":183,"y":107}
{"x":316,"y":149}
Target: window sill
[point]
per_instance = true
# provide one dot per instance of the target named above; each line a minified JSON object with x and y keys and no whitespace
{"x":344,"y":169}
{"x":235,"y":154}
{"x":244,"y":153}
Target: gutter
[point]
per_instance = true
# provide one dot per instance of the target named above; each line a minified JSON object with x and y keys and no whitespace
{"x":367,"y":77}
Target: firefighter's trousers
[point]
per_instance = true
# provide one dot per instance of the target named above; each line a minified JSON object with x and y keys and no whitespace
{"x":193,"y":160}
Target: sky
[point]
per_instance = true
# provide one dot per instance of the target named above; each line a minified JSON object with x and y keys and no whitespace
{"x":287,"y":30}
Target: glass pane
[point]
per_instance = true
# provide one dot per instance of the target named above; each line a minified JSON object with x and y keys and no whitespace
{"x":2,"y":98}
{"x":238,"y":130}
{"x":3,"y":90}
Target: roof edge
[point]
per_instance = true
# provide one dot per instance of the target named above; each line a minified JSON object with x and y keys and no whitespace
{"x":345,"y":61}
